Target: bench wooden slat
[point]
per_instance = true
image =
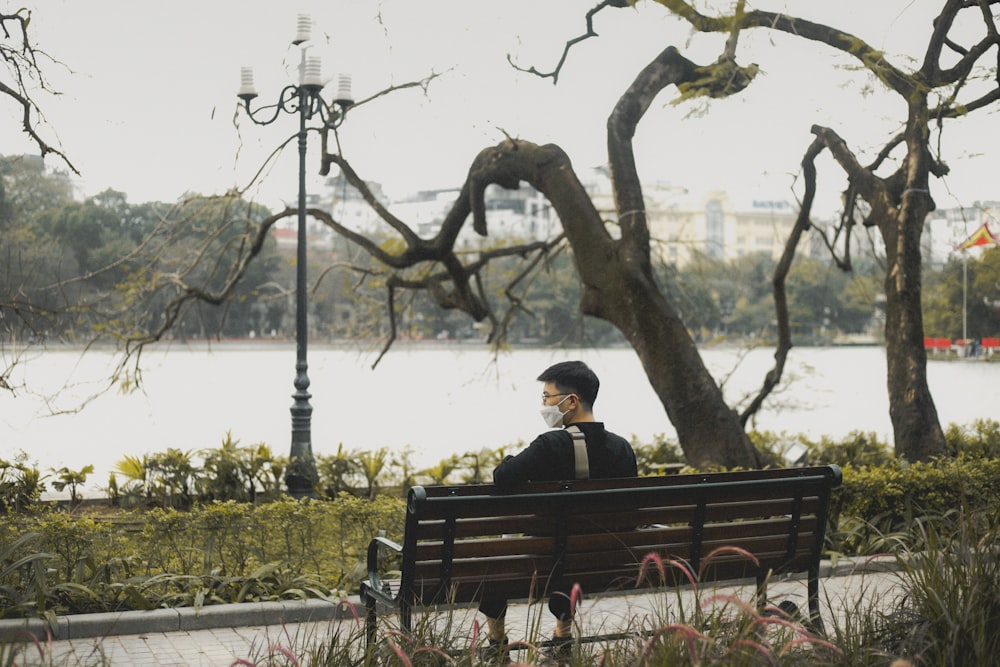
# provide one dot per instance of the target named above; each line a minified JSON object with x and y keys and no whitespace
{"x":658,"y":539}
{"x":529,"y":522}
{"x":770,"y":557}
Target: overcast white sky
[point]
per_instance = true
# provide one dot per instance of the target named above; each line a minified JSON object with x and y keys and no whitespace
{"x":148,"y":92}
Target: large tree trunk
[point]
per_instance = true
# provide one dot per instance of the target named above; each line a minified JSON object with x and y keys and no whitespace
{"x":619,"y":287}
{"x":709,"y":431}
{"x":916,"y":428}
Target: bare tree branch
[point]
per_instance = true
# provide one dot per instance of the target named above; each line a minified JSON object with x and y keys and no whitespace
{"x":23,"y":63}
{"x":802,"y":225}
{"x":554,"y":74}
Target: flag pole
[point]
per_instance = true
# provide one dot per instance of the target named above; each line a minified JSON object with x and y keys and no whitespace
{"x":965,"y":299}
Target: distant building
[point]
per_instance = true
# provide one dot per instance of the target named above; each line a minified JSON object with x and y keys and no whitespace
{"x":425,"y":211}
{"x":522,"y":214}
{"x":682,"y":223}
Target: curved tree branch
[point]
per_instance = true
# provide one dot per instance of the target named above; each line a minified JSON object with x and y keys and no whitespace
{"x":872,"y":59}
{"x":669,"y":67}
{"x":802,"y":225}
{"x":868,"y":185}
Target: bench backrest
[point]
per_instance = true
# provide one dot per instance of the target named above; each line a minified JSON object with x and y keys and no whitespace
{"x":597,"y":533}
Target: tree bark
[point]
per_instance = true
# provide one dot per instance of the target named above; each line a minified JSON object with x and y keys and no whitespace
{"x":917,"y":430}
{"x":899,"y":205}
{"x":619,"y":288}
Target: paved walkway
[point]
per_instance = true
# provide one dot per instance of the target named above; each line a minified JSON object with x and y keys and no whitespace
{"x":231,"y":634}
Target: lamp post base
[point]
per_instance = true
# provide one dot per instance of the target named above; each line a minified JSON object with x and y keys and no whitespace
{"x":299,"y":481}
{"x":301,"y":477}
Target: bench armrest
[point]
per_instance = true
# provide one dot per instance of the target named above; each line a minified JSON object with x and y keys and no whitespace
{"x":375,"y":548}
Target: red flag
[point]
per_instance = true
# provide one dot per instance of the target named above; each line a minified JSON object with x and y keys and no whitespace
{"x":980,"y":237}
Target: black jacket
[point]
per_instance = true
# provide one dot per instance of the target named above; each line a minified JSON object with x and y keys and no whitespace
{"x":550,"y":457}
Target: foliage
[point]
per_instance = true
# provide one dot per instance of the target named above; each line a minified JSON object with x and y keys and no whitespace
{"x":856,"y":449}
{"x":107,"y":269}
{"x":716,"y":298}
{"x":174,"y":479}
{"x":372,"y":463}
{"x":889,"y":498}
{"x":336,"y":472}
{"x":21,"y":485}
{"x":225,"y":551}
{"x":170,"y":475}
{"x":950,"y":567}
{"x":57,"y":238}
{"x":979,"y":439}
{"x":244,"y":474}
{"x":135,"y":471}
{"x":71,"y":479}
{"x":945,"y":616}
{"x":222,"y":552}
{"x":651,"y":458}
{"x":22,"y":574}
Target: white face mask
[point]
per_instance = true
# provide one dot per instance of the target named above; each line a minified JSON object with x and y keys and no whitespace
{"x":552,"y":415}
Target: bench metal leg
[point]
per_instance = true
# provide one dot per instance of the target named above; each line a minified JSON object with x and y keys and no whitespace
{"x":371,"y":620}
{"x":761,"y":593}
{"x":405,"y":616}
{"x":812,"y":590}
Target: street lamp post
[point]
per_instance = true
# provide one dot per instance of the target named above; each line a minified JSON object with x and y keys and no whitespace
{"x":305,"y":100}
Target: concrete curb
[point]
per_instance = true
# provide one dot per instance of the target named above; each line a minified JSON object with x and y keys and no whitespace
{"x":245,"y":614}
{"x":858,"y":566}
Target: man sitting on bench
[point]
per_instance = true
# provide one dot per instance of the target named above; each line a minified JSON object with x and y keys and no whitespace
{"x":582,"y":449}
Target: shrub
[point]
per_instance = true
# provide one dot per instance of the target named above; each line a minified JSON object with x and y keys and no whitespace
{"x":662,"y":451}
{"x":222,"y":552}
{"x":981,"y":438}
{"x":878,"y":502}
{"x":856,"y":449}
{"x":21,"y":485}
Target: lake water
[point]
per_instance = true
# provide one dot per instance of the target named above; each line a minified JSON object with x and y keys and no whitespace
{"x":437,"y":400}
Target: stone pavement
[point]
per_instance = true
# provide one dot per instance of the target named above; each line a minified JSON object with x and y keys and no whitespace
{"x":243,"y":634}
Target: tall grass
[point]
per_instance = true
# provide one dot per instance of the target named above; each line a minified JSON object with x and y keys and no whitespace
{"x":951,"y":614}
{"x":944,"y":614}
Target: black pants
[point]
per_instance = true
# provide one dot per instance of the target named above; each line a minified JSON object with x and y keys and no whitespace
{"x":495,"y":607}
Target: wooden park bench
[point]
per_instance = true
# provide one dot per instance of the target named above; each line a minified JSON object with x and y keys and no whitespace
{"x":545,"y":536}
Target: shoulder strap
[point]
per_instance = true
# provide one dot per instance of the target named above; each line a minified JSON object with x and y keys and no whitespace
{"x":579,"y":452}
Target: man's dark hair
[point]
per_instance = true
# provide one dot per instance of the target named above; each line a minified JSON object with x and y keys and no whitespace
{"x":574,"y":377}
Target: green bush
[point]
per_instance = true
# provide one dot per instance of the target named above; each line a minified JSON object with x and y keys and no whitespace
{"x":892,"y":492}
{"x":856,"y":449}
{"x":21,"y":485}
{"x":877,"y":503}
{"x":221,"y":552}
{"x":54,"y":562}
{"x":652,"y":457}
{"x":981,"y":438}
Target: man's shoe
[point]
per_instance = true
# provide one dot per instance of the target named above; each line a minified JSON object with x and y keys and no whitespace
{"x":558,"y":651}
{"x":495,"y":652}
